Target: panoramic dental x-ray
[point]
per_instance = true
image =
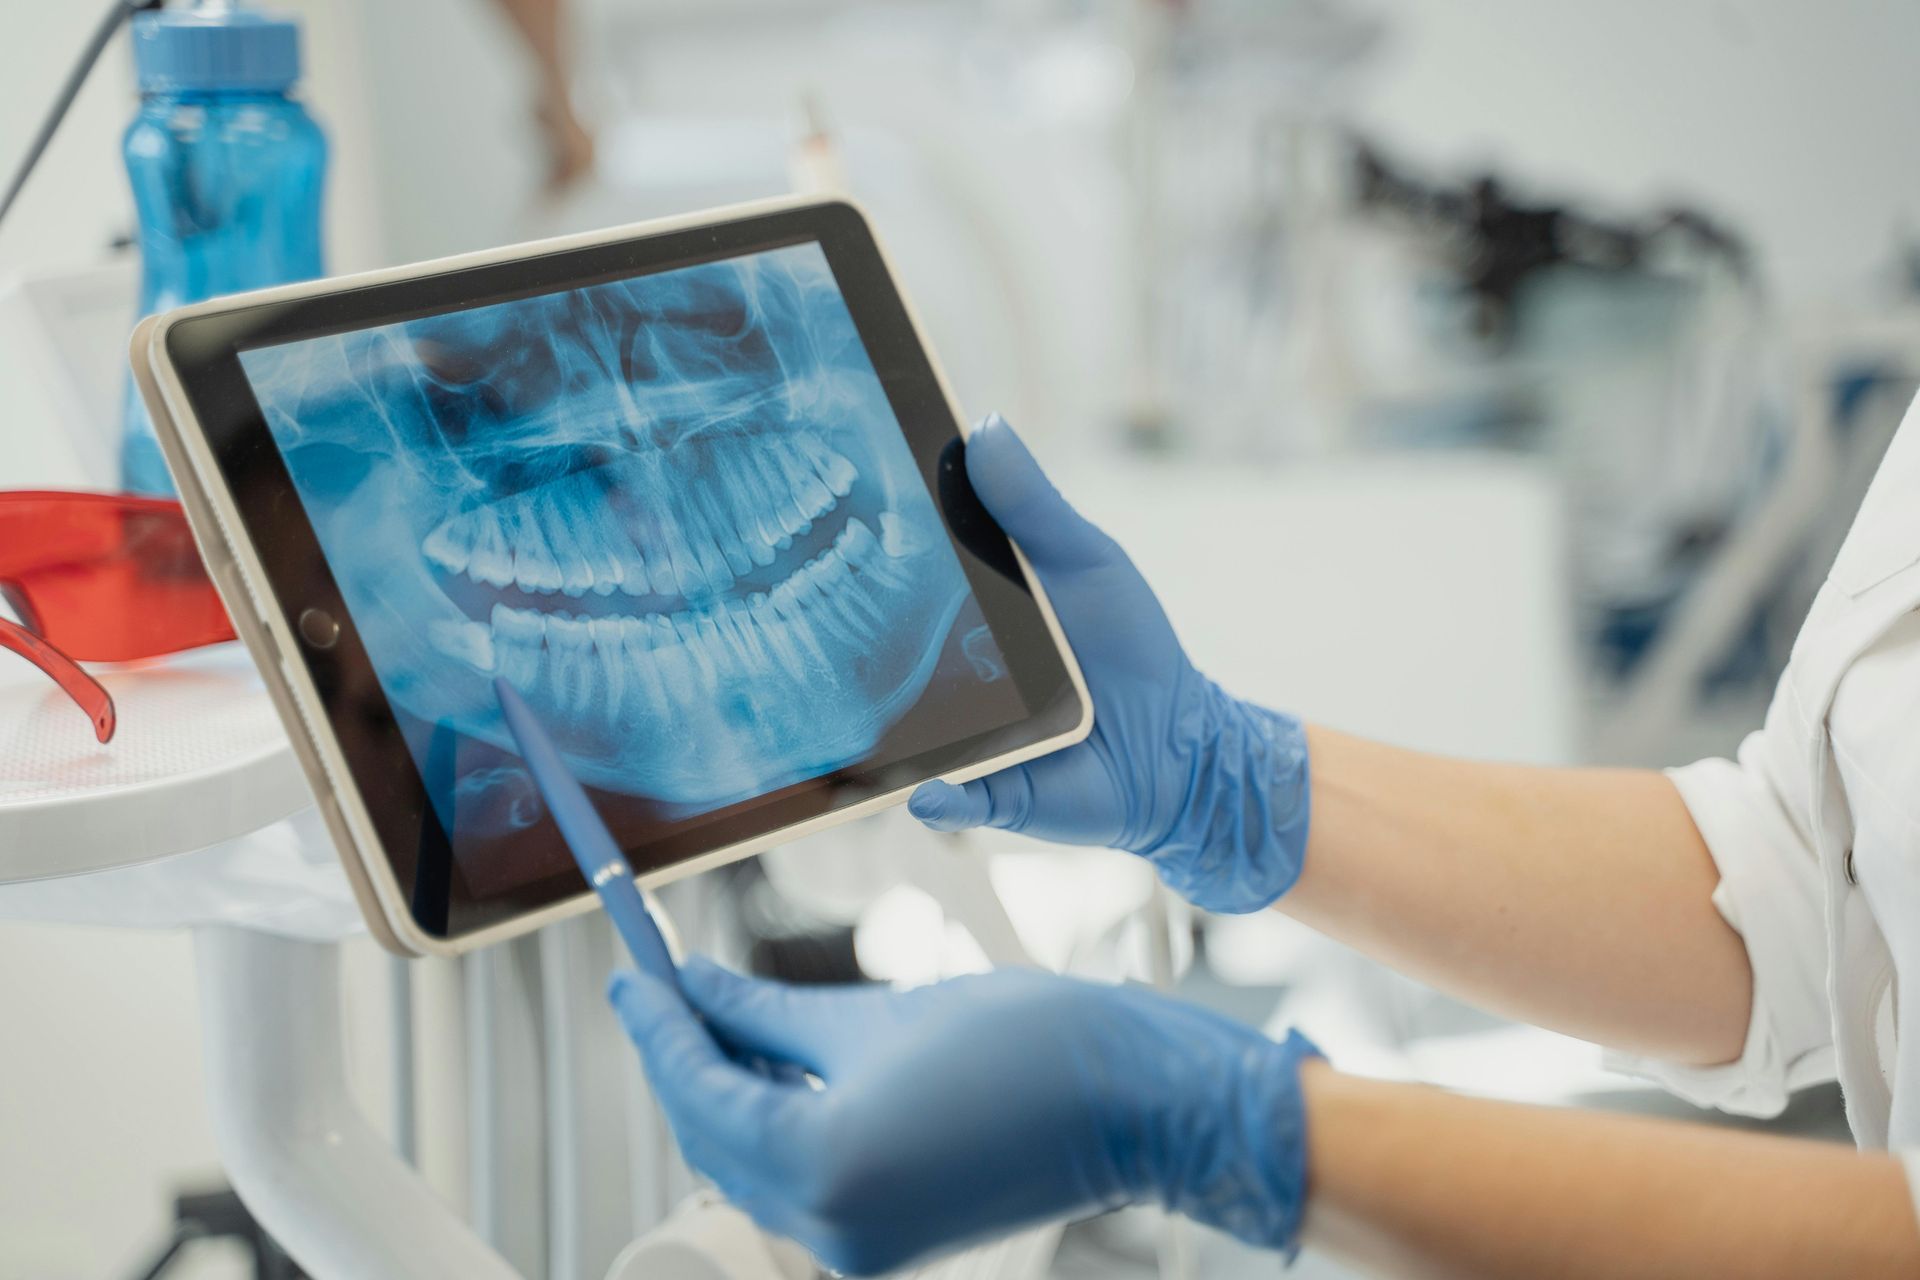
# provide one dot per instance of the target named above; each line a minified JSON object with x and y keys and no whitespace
{"x":675,"y":511}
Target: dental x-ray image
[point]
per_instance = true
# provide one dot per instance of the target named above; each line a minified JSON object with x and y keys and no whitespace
{"x":676,"y":512}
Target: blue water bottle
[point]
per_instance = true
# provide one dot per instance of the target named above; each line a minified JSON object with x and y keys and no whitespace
{"x":227,"y":173}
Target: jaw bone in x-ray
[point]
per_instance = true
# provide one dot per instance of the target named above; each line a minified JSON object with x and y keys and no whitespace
{"x":675,"y":512}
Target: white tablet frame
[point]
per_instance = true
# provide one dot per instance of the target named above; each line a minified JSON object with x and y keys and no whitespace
{"x":241,"y":577}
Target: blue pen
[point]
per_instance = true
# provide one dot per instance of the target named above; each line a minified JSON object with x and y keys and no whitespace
{"x":600,"y":859}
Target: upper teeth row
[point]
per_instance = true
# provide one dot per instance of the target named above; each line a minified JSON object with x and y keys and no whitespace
{"x":688,"y":526}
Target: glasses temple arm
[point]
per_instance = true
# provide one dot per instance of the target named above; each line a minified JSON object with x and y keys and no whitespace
{"x":86,"y":692}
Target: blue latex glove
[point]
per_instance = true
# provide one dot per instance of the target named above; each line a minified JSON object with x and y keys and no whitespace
{"x":962,"y":1111}
{"x":1212,"y":790}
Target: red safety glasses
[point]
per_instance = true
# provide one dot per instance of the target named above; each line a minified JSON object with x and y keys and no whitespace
{"x":101,"y":577}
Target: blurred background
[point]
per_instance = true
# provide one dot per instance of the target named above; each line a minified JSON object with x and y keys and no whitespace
{"x":1496,"y":377}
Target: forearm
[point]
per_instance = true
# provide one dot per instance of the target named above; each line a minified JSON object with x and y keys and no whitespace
{"x":1414,"y":1182}
{"x":542,"y":27}
{"x":539,"y":25}
{"x":1577,"y":899}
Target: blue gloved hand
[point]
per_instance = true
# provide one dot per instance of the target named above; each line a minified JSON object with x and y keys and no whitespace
{"x":1212,"y":790}
{"x":962,"y":1111}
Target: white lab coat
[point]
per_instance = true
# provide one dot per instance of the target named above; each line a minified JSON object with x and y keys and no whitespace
{"x":1816,"y":832}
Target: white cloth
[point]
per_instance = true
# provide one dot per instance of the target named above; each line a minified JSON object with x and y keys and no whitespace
{"x":1816,"y":832}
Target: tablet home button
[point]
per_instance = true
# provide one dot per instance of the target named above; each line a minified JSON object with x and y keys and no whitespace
{"x":318,"y":628}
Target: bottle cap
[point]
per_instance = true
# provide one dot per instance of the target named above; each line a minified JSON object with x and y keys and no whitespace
{"x":215,"y":47}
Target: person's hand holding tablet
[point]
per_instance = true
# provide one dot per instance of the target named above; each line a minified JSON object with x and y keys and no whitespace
{"x":1212,"y":790}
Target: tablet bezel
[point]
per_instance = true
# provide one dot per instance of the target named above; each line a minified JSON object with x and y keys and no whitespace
{"x":368,"y":782}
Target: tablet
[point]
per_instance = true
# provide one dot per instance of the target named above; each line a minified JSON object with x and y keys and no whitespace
{"x":694,"y":488}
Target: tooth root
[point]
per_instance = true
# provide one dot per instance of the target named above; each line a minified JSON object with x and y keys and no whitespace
{"x":598,"y":544}
{"x":755,"y":483}
{"x":518,"y":642}
{"x":853,"y":594}
{"x":643,"y":666}
{"x":674,"y":669}
{"x":823,"y":608}
{"x":833,"y":593}
{"x":518,"y":665}
{"x":780,"y":500}
{"x":686,"y":627}
{"x":759,"y":492}
{"x":468,"y":642}
{"x":565,"y":537}
{"x":758,"y":541}
{"x":833,"y":469}
{"x":789,"y":604}
{"x":721,"y":526}
{"x":609,"y":659}
{"x":683,"y":565}
{"x":850,"y":626}
{"x":492,"y":562}
{"x":726,"y":641}
{"x":688,"y":577}
{"x":771,"y":630}
{"x":740,"y":507}
{"x":633,"y":565}
{"x":659,"y":566}
{"x":533,"y":565}
{"x":886,"y":572}
{"x":753,"y":629}
{"x":571,"y":669}
{"x":861,"y":600}
{"x":713,"y":561}
{"x":712,"y":647}
{"x":592,"y":533}
{"x":670,"y":563}
{"x":813,"y":498}
{"x":450,"y":545}
{"x":868,"y":567}
{"x":680,"y":670}
{"x":826,"y":619}
{"x":743,"y":638}
{"x":793,"y":507}
{"x":608,"y":568}
{"x":713,"y":566}
{"x":520,"y":554}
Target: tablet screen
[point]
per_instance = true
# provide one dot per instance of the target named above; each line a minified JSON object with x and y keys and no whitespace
{"x":676,"y":511}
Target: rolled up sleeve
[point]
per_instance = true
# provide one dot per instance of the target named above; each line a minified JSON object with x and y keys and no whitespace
{"x":1755,"y":815}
